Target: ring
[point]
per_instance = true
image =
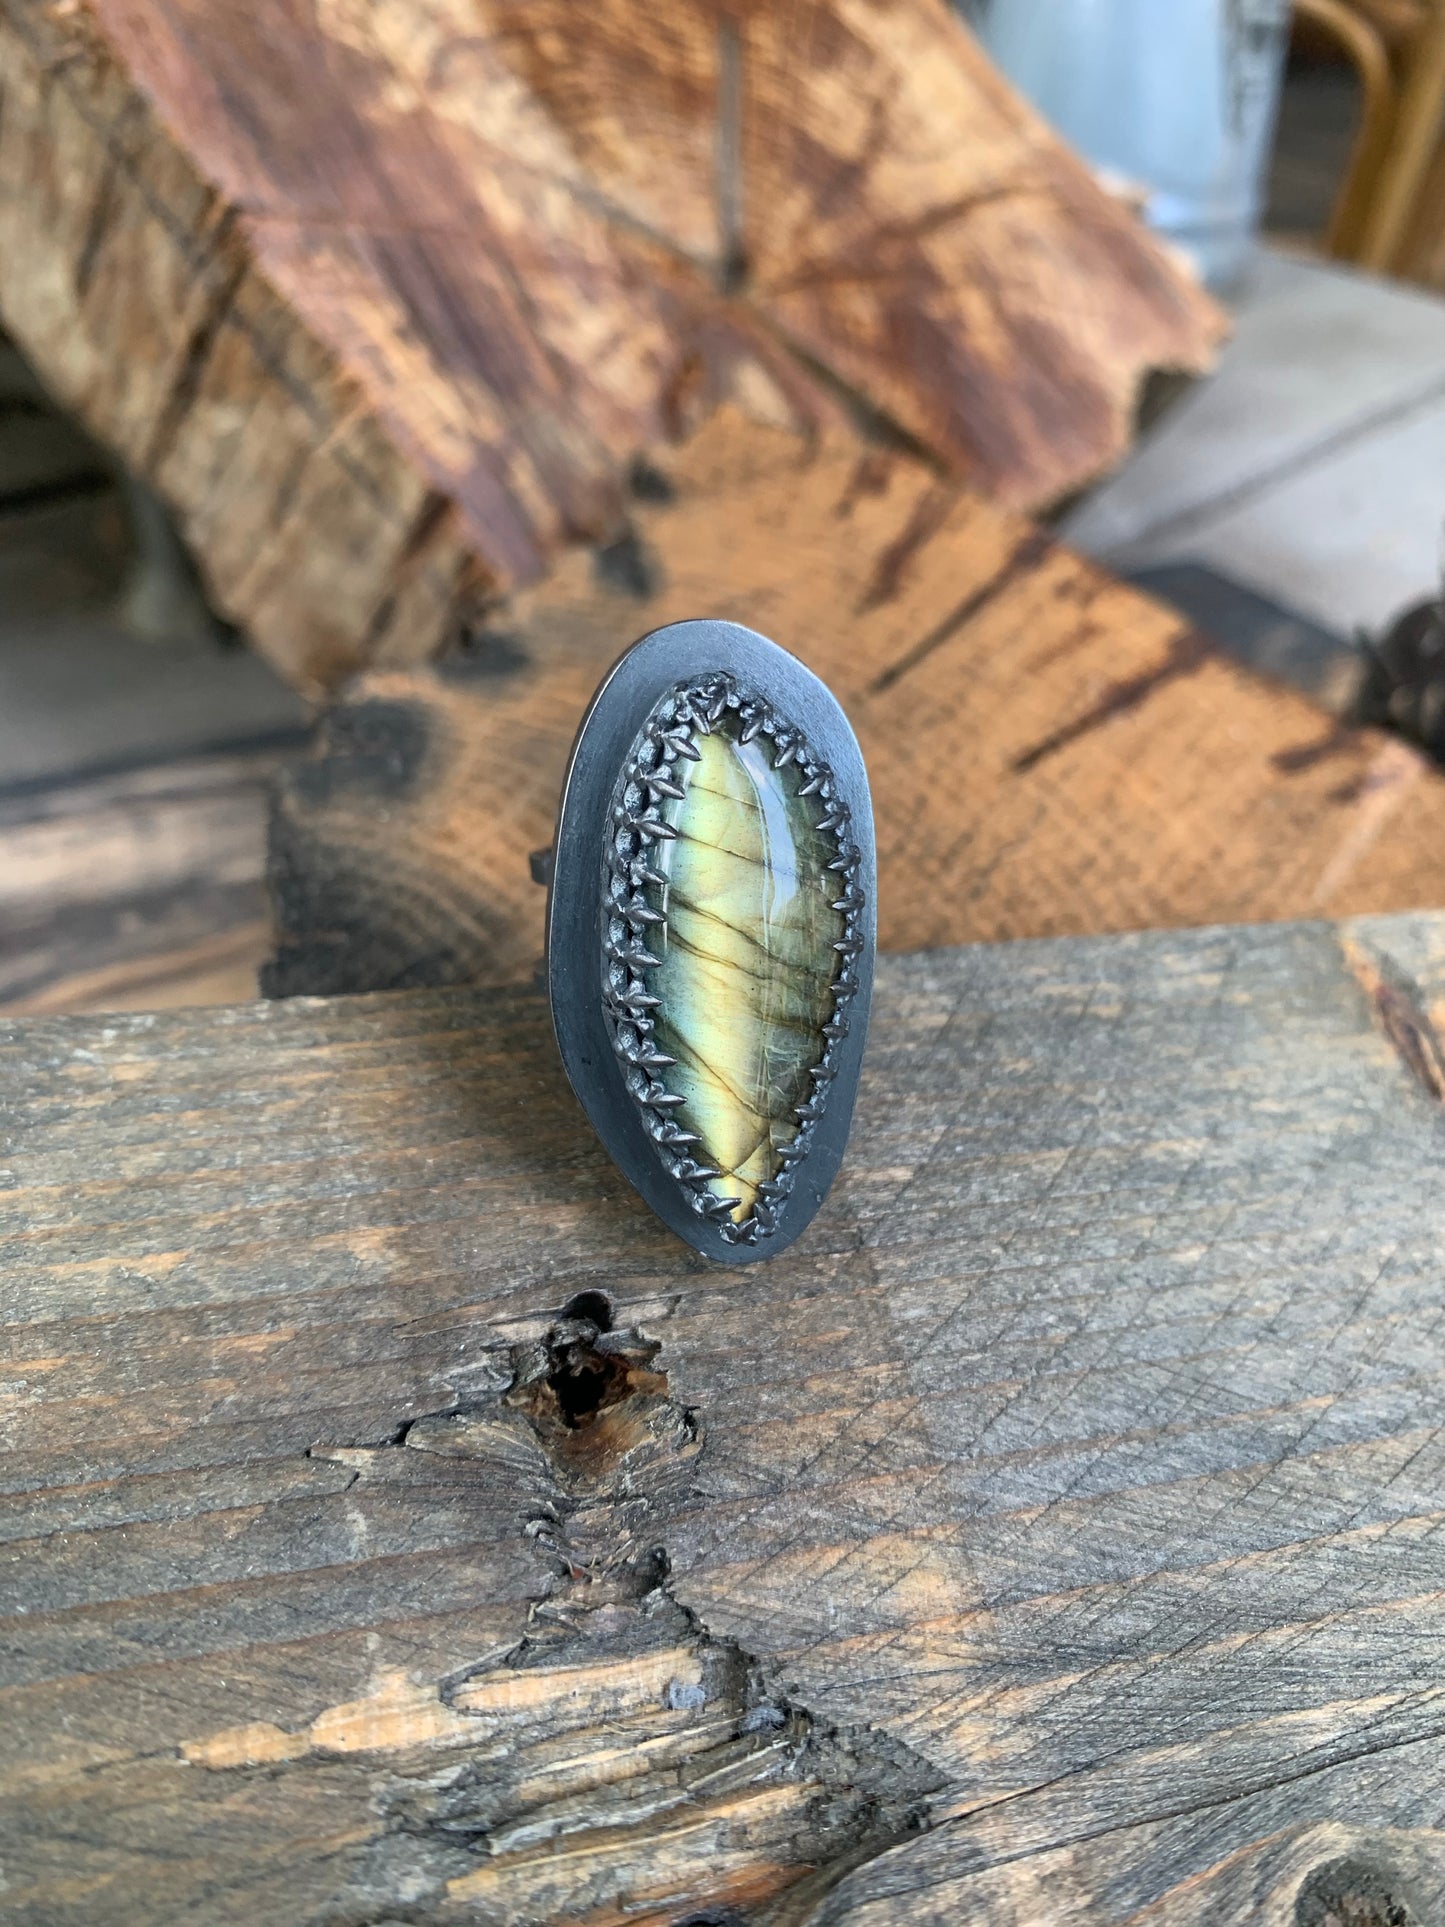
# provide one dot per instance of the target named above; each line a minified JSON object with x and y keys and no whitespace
{"x":711,"y":927}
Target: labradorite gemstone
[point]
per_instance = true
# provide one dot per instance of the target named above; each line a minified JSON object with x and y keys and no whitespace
{"x":747,"y":958}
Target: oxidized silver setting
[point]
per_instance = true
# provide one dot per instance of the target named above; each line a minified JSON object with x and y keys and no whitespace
{"x":669,"y":689}
{"x":648,"y":775}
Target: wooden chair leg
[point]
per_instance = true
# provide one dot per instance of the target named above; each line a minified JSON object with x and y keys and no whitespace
{"x":1366,"y":48}
{"x":1417,"y":130}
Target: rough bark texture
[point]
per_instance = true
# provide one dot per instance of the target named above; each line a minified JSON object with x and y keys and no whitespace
{"x":385,"y":298}
{"x":402,"y":1526}
{"x":1050,"y":752}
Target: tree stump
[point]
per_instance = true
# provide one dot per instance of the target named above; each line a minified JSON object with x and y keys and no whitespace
{"x":403,"y":1526}
{"x":1051,"y":753}
{"x":384,"y":300}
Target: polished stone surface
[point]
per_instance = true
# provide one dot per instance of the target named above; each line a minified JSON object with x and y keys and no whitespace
{"x":747,"y":957}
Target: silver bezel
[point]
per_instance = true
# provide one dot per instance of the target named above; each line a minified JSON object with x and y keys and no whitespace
{"x":650,"y":774}
{"x":667,"y":685}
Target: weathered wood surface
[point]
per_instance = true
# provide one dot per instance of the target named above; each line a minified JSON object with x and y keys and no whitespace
{"x":1054,"y":1533}
{"x":137,"y":889}
{"x":1050,"y":752}
{"x":385,"y":299}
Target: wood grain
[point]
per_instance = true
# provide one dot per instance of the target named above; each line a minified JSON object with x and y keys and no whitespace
{"x":1050,"y":752}
{"x":384,"y":300}
{"x":138,"y":888}
{"x":402,"y":1525}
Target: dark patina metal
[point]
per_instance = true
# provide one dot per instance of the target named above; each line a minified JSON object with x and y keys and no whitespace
{"x":676,"y":679}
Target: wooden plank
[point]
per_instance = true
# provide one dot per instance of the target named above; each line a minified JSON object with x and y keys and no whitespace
{"x":402,"y":1525}
{"x":137,"y":889}
{"x":384,"y":301}
{"x":1050,"y":752}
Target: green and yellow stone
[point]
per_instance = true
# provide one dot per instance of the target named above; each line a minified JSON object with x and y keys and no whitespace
{"x":747,"y":958}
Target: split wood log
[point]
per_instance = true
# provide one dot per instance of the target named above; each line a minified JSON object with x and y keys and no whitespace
{"x":402,"y":1525}
{"x":1050,"y":752}
{"x":384,"y":299}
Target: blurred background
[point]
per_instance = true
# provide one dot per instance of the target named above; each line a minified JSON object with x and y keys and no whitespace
{"x":201,"y":779}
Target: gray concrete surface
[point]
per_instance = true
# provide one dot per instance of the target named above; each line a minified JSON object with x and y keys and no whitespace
{"x":1311,"y":466}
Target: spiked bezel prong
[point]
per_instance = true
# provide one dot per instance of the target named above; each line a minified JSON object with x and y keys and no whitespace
{"x":653,"y":828}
